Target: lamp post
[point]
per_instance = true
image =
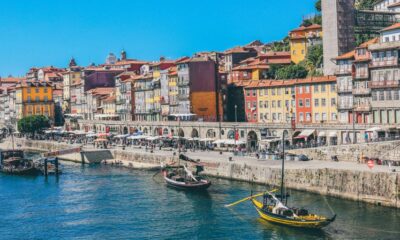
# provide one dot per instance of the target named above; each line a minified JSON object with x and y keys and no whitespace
{"x":235,"y":113}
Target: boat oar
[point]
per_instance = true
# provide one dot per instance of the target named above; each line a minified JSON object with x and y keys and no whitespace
{"x":248,"y":198}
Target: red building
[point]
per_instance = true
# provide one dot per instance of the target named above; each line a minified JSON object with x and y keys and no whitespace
{"x":250,"y":99}
{"x":303,"y":103}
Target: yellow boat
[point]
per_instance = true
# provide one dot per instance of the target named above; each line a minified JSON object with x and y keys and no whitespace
{"x":273,"y":210}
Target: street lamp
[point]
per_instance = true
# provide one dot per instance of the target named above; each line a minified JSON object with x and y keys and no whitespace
{"x":235,"y":113}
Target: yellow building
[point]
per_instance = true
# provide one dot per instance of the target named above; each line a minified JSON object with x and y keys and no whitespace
{"x":34,"y":98}
{"x":108,"y":104}
{"x":276,"y":103}
{"x":301,"y":39}
{"x":324,"y":101}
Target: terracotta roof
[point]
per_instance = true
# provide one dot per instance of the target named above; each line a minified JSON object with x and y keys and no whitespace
{"x":11,"y":79}
{"x":394,"y":5}
{"x":393,"y":27}
{"x":34,"y":83}
{"x":101,"y":91}
{"x":289,"y":82}
{"x":369,"y":42}
{"x":302,"y":28}
{"x":348,"y":55}
{"x":109,"y":99}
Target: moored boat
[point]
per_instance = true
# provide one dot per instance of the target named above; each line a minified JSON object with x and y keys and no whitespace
{"x":14,"y":162}
{"x":182,"y":178}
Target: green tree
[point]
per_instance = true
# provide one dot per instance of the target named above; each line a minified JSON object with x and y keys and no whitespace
{"x":318,"y":6}
{"x":291,"y":72}
{"x":365,"y":4}
{"x":281,"y":46}
{"x":33,"y":124}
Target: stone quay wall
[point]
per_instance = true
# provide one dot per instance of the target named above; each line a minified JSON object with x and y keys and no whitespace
{"x":389,"y":150}
{"x":376,"y":187}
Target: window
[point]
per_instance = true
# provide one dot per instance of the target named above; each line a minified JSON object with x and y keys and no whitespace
{"x":301,"y":116}
{"x":260,"y":104}
{"x":308,"y":116}
{"x":274,"y":116}
{"x":29,"y":99}
{"x":279,"y":116}
{"x":381,"y":96}
{"x":374,"y":96}
{"x":323,"y":88}
{"x":316,"y":88}
{"x":334,"y":117}
{"x":333,"y":102}
{"x":273,"y":92}
{"x":36,"y":90}
{"x":333,"y":87}
{"x":316,"y":102}
{"x":323,"y":102}
{"x":255,"y":116}
{"x":324,"y":117}
{"x":45,"y":90}
{"x":279,"y":103}
{"x":278,"y":91}
{"x":286,"y":91}
{"x":260,"y":92}
{"x":248,"y":116}
{"x":37,"y":99}
{"x":395,"y":95}
{"x":266,"y":92}
{"x":273,"y":104}
{"x":300,"y":89}
{"x":46,"y":98}
{"x":248,"y":105}
{"x":254,"y":93}
{"x":389,"y":95}
{"x":254,"y":104}
{"x":28,"y":90}
{"x":307,"y":89}
{"x":300,"y":102}
{"x":307,"y":102}
{"x":287,"y":103}
{"x":316,"y":117}
{"x":266,"y":116}
{"x":248,"y":93}
{"x":266,"y":104}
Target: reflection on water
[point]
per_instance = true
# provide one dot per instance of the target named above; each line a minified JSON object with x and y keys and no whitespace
{"x":102,"y":202}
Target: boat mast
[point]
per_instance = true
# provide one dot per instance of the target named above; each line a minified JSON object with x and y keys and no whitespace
{"x":283,"y":166}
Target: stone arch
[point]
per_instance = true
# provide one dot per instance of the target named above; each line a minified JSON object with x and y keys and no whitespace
{"x":195,"y":133}
{"x":231,"y":134}
{"x":145,"y":131}
{"x":252,"y":141}
{"x":211,"y":133}
{"x":165,"y":131}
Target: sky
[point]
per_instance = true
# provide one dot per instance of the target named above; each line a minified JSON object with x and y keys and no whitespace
{"x":50,"y":32}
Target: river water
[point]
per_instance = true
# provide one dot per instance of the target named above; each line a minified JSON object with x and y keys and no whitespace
{"x":104,"y":202}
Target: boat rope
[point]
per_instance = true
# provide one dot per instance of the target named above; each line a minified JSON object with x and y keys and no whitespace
{"x":329,"y":206}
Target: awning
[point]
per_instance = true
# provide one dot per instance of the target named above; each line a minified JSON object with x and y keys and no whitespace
{"x":332,"y":134}
{"x":374,"y":129}
{"x":137,"y":137}
{"x":322,"y":134}
{"x":229,"y":142}
{"x":152,"y":138}
{"x":183,"y":115}
{"x":122,"y":136}
{"x":306,"y":133}
{"x":271,"y":140}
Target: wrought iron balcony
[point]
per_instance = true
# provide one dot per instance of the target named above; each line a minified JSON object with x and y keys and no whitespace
{"x":361,"y":91}
{"x":384,"y":84}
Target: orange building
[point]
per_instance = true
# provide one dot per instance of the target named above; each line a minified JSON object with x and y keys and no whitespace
{"x":34,"y":98}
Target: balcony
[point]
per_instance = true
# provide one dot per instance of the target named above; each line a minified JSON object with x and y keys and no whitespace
{"x":383,"y":63}
{"x":183,"y":83}
{"x":345,"y":106}
{"x":344,"y":90}
{"x":362,"y":75}
{"x":183,"y":97}
{"x":361,"y":91}
{"x":363,"y":108}
{"x":384,"y":84}
{"x":343,"y":70}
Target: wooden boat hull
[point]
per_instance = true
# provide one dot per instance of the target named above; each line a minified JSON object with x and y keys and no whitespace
{"x":298,"y":223}
{"x":26,"y":171}
{"x":202,"y":185}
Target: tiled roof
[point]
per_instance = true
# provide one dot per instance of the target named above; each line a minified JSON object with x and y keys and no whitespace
{"x":348,"y":55}
{"x":101,"y":91}
{"x":369,"y":42}
{"x":289,"y":82}
{"x":11,"y":80}
{"x":393,"y":27}
{"x":302,"y":28}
